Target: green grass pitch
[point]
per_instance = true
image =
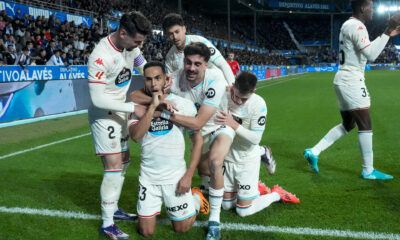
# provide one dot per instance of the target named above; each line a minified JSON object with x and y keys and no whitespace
{"x":301,"y":109}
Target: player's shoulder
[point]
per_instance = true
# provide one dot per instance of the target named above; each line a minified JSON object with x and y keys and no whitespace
{"x":170,"y":54}
{"x":257,"y":101}
{"x":100,"y":54}
{"x":196,"y":38}
{"x":353,"y":24}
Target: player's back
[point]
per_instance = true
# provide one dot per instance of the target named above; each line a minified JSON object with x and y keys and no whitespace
{"x":353,"y":39}
{"x":163,"y":146}
{"x":174,"y":58}
{"x":252,"y":116}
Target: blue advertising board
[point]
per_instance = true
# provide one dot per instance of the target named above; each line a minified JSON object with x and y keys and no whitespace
{"x":12,"y":8}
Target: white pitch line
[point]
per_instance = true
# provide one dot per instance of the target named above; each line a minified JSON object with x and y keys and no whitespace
{"x":226,"y":226}
{"x":279,"y":82}
{"x":42,"y":146}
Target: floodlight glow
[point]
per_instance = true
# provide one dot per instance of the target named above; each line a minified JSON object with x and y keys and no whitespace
{"x":381,"y":9}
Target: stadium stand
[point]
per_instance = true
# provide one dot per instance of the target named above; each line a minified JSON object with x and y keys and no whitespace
{"x":77,"y":41}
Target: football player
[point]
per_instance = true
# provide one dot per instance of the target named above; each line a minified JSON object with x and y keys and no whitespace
{"x":163,"y":175}
{"x":110,"y":70}
{"x":355,"y":49}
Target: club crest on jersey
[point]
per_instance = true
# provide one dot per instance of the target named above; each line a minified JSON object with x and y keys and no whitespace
{"x":210,"y":93}
{"x":212,"y":51}
{"x":261,"y":121}
{"x":160,"y":126}
{"x":123,"y":77}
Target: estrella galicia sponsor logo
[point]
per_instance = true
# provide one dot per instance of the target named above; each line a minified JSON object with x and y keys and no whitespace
{"x":212,"y":51}
{"x":160,"y":126}
{"x":237,"y":119}
{"x":123,"y":77}
{"x":261,"y":121}
{"x":210,"y":93}
{"x":177,"y":208}
{"x":244,"y":187}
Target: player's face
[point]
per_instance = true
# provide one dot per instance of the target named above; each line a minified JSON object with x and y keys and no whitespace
{"x":129,"y":42}
{"x":368,"y":10}
{"x":231,"y":56}
{"x":239,"y":98}
{"x":177,"y":34}
{"x":195,"y":67}
{"x":154,"y":80}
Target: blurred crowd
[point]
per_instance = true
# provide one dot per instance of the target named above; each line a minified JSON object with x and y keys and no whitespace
{"x":25,"y":40}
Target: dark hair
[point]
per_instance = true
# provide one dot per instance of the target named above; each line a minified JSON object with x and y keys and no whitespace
{"x":357,"y":4}
{"x":154,"y":64}
{"x":197,"y":48}
{"x":135,"y":22}
{"x":172,"y":19}
{"x":246,"y":82}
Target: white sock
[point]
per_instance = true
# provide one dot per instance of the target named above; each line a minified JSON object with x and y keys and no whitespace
{"x":197,"y":202}
{"x":109,"y":190}
{"x":205,"y":181}
{"x":258,"y":204}
{"x":334,"y":134}
{"x":229,"y":204}
{"x":122,"y":179}
{"x":216,"y":196}
{"x":262,"y":150}
{"x":124,"y":168}
{"x":367,"y":155}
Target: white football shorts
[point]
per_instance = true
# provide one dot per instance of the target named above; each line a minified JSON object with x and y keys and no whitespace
{"x":110,"y":134}
{"x":242,"y":178}
{"x":353,"y":97}
{"x":151,"y":196}
{"x":208,"y":139}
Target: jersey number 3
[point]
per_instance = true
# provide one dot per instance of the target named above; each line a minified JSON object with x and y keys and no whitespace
{"x":341,"y":57}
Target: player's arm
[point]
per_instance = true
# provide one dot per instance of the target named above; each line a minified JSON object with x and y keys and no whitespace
{"x":139,"y":97}
{"x":185,"y":183}
{"x":139,"y":128}
{"x":371,"y":50}
{"x":139,"y":63}
{"x":195,"y":123}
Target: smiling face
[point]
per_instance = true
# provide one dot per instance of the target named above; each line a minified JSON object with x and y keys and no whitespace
{"x":195,"y":67}
{"x":154,"y":80}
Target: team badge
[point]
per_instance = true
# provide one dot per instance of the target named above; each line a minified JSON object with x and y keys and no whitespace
{"x":212,"y":51}
{"x":210,"y":93}
{"x":123,"y":77}
{"x":261,"y":121}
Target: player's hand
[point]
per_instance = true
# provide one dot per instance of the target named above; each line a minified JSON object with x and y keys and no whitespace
{"x":394,"y":22}
{"x":168,"y":105}
{"x":168,"y":83}
{"x":140,"y":110}
{"x":226,"y":118}
{"x":184,"y":184}
{"x":156,"y":100}
{"x":228,"y":88}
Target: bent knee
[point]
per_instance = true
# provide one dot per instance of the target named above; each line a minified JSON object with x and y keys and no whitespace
{"x":243,"y":212}
{"x":182,"y":228}
{"x":228,"y":205}
{"x":147,"y":232}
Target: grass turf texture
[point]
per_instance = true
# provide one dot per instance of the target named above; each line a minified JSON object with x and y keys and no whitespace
{"x":301,"y":109}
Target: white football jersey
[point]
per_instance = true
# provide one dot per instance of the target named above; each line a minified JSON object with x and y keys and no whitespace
{"x":353,"y":39}
{"x":163,"y":146}
{"x":174,"y":58}
{"x":252,"y":116}
{"x":113,"y":67}
{"x":210,"y":91}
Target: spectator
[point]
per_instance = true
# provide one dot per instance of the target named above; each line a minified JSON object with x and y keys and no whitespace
{"x":56,"y":59}
{"x":42,"y":58}
{"x":10,"y":55}
{"x":23,"y":58}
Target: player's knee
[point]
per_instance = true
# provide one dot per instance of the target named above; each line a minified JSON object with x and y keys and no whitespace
{"x":215,"y":163}
{"x":146,"y":232}
{"x":181,"y":228}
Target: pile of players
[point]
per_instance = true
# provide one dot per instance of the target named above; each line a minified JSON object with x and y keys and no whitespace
{"x":195,"y":92}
